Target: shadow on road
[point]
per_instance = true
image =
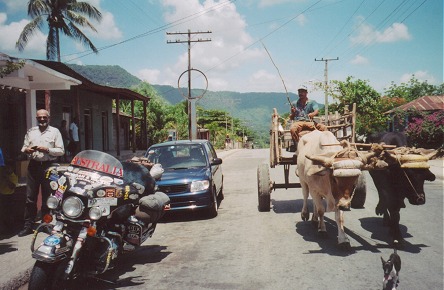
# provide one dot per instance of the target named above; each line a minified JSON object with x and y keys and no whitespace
{"x":382,"y":233}
{"x":289,"y":206}
{"x":379,"y":238}
{"x":8,"y":247}
{"x":127,"y":263}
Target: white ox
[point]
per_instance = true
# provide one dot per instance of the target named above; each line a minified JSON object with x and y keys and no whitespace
{"x":326,"y":174}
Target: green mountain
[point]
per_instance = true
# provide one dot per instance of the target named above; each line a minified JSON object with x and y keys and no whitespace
{"x":107,"y":75}
{"x":254,"y":108}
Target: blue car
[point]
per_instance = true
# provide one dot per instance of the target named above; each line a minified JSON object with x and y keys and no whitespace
{"x":193,"y":177}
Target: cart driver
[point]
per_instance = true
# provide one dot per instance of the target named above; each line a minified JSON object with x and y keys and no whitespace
{"x":302,"y":112}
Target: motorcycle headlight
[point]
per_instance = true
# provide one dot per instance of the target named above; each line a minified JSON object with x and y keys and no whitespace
{"x":73,"y":207}
{"x":95,"y":213}
{"x":199,"y":185}
{"x":52,"y":202}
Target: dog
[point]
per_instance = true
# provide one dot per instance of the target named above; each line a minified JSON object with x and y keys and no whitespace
{"x":391,"y":268}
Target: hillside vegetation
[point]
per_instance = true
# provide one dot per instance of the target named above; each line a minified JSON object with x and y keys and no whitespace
{"x":254,"y":108}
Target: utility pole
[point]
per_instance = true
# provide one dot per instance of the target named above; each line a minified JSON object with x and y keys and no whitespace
{"x":192,"y":120}
{"x":326,"y":60}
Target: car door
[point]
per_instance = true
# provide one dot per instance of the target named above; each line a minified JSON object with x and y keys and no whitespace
{"x":216,"y":170}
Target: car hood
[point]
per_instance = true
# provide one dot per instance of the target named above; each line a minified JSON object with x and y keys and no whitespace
{"x":170,"y":175}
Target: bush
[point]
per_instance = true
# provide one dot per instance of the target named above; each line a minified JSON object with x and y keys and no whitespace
{"x":426,"y":131}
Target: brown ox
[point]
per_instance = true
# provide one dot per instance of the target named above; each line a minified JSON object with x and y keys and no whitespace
{"x":327,"y":172}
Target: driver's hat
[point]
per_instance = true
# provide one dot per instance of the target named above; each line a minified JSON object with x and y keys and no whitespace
{"x":303,"y":87}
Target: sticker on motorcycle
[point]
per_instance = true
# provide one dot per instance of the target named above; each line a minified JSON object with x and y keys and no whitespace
{"x":77,"y":190}
{"x":54,"y":185}
{"x":106,"y":180}
{"x":110,"y":192}
{"x":132,"y":236}
{"x":62,"y":180}
{"x":52,"y":241}
{"x":100,"y":193}
{"x":103,"y":201}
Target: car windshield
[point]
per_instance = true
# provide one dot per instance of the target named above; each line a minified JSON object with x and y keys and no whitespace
{"x":178,"y":156}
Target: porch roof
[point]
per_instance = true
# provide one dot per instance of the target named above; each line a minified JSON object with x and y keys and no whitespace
{"x":35,"y":76}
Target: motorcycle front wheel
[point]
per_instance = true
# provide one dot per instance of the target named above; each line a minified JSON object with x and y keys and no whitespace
{"x":47,"y":276}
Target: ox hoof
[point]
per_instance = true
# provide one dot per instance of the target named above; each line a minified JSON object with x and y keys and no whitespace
{"x":323,"y":234}
{"x":305,"y":216}
{"x":345,"y":246}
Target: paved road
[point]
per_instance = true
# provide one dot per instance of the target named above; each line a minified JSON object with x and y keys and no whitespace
{"x":246,"y":249}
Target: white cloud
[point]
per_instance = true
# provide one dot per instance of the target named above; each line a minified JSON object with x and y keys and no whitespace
{"x":367,"y":34}
{"x":224,"y":44}
{"x":36,"y":43}
{"x":359,"y":59}
{"x":149,"y":75}
{"x":420,"y":75}
{"x":301,"y":19}
{"x":106,"y":28}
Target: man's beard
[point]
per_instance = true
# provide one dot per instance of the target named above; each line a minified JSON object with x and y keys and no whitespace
{"x":43,"y":124}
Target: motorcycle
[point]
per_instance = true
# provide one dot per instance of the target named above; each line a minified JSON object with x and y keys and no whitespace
{"x":99,"y":208}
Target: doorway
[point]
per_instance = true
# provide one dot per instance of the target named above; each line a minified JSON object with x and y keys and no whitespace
{"x":87,"y":123}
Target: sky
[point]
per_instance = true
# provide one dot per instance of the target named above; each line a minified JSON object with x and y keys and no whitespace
{"x":253,"y":45}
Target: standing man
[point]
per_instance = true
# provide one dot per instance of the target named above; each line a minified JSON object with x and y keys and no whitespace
{"x":43,"y":144}
{"x":303,"y":111}
{"x":74,"y":135}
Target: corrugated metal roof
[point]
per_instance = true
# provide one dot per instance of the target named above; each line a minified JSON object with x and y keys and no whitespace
{"x":426,"y":103}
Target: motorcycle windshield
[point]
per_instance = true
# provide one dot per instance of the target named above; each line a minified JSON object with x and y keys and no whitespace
{"x":98,"y":161}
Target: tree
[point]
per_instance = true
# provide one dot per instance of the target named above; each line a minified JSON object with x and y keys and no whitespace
{"x":61,"y":16}
{"x":370,"y":107}
{"x":412,"y":90}
{"x":156,"y":116}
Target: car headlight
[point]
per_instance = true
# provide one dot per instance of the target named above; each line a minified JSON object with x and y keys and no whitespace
{"x":95,"y":213}
{"x":199,"y":185}
{"x":73,"y":207}
{"x":52,"y":202}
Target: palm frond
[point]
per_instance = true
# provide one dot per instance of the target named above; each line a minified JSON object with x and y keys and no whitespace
{"x":77,"y":34}
{"x":79,"y":20}
{"x":86,"y":9}
{"x":27,"y":32}
{"x":38,"y":7}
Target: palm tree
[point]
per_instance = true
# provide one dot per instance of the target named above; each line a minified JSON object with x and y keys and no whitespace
{"x":61,"y":15}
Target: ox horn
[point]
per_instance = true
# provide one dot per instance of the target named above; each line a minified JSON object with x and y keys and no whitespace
{"x":434,"y":154}
{"x":365,"y":157}
{"x":323,"y":160}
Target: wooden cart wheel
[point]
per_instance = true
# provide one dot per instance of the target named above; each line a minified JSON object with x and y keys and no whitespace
{"x":263,"y":187}
{"x":360,"y":195}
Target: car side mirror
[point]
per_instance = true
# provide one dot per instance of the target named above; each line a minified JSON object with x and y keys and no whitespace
{"x":216,"y":161}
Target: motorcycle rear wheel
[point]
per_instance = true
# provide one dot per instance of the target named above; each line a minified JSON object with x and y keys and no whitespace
{"x":47,"y":276}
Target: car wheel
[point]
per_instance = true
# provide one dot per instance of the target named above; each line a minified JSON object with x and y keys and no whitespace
{"x":213,"y":209}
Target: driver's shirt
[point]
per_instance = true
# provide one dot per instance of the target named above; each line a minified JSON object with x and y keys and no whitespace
{"x":50,"y":138}
{"x":303,"y":111}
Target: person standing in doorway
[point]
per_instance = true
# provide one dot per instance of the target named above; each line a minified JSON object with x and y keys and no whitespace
{"x":65,"y":136}
{"x":74,"y":136}
{"x":43,"y":144}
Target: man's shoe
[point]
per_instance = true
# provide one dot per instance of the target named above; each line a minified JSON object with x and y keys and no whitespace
{"x":26,"y":231}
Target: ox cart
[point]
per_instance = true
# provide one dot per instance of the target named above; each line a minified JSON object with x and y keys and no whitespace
{"x":341,"y":125}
